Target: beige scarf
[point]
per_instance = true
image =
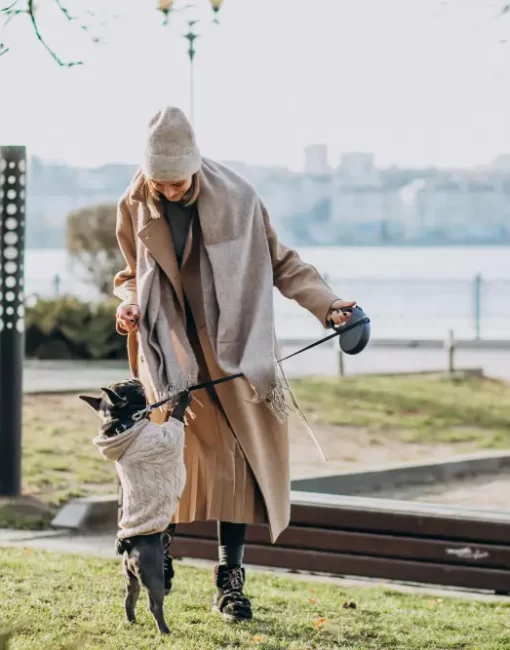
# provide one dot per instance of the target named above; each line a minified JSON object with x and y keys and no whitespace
{"x":237,"y":283}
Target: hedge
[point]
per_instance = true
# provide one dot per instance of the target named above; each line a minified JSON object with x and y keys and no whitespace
{"x":67,"y":328}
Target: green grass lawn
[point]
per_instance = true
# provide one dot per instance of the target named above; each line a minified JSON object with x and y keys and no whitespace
{"x":59,"y":601}
{"x":422,"y":409}
{"x":60,"y":461}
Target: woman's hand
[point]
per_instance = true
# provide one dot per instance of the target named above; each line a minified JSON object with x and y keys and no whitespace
{"x":336,"y":316}
{"x":128,"y":317}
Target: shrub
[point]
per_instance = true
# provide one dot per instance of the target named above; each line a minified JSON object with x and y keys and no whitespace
{"x":92,"y":245}
{"x":67,"y":328}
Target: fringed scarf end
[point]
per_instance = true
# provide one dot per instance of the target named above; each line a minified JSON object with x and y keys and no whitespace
{"x":277,"y":402}
{"x":171,"y":392}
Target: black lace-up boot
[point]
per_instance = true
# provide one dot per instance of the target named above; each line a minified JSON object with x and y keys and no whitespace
{"x":229,"y":600}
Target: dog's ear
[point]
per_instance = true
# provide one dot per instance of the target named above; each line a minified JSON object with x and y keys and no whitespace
{"x":93,"y":402}
{"x":115,"y":400}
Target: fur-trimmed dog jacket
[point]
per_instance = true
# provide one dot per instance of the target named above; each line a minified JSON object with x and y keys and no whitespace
{"x":149,"y":459}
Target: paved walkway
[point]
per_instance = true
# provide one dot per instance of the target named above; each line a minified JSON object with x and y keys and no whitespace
{"x":43,"y":376}
{"x":73,"y":376}
{"x":101,"y":545}
{"x":480,"y":492}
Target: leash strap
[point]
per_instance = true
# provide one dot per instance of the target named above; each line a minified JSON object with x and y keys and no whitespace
{"x":205,"y":384}
{"x":222,"y":380}
{"x":337,"y":332}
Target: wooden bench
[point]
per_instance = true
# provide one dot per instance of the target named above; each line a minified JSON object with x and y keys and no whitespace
{"x":377,"y":538}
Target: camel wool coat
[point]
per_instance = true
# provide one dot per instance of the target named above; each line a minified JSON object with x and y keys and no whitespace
{"x":236,"y":452}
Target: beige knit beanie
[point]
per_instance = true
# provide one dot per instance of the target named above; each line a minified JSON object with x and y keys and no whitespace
{"x":171,"y":153}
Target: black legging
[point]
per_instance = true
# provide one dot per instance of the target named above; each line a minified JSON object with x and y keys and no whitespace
{"x":230,"y":534}
{"x":230,"y":542}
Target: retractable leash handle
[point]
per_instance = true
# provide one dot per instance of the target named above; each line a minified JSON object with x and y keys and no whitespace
{"x":354,"y":335}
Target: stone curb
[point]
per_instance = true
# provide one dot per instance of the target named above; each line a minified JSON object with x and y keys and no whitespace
{"x":75,"y":390}
{"x":408,"y":475}
{"x":430,"y":344}
{"x":438,"y":344}
{"x":88,"y":513}
{"x":96,"y":513}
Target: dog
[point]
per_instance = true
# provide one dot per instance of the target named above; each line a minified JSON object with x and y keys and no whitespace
{"x":149,"y":460}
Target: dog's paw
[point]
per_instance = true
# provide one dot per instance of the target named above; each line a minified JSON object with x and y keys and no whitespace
{"x":181,"y":405}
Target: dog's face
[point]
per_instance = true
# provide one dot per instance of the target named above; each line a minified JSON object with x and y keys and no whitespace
{"x":118,"y":401}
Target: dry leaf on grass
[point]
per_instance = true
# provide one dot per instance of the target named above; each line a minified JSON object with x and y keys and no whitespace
{"x":434,"y":602}
{"x":349,"y":605}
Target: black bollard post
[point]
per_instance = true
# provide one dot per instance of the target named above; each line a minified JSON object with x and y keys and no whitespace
{"x":12,"y":323}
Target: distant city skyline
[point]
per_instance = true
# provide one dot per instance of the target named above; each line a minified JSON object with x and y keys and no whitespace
{"x":354,"y":203}
{"x":415,"y":82}
{"x":500,"y":163}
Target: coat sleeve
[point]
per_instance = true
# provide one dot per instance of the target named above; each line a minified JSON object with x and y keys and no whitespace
{"x":124,"y":283}
{"x":297,"y":280}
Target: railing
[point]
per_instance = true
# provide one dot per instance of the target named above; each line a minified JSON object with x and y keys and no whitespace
{"x":477,"y":308}
{"x":417,"y":308}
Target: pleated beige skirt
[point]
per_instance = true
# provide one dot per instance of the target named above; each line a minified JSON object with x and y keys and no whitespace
{"x":220,"y":485}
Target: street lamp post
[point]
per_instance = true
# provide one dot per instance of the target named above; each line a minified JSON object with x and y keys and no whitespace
{"x":191,"y":37}
{"x":167,"y":7}
{"x":12,"y":251}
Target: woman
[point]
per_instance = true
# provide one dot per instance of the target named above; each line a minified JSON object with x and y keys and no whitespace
{"x":197,"y":304}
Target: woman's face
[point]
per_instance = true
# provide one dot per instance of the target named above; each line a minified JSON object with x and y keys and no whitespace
{"x":173,"y":191}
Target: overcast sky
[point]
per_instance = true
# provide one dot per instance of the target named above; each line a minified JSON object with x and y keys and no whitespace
{"x":415,"y":81}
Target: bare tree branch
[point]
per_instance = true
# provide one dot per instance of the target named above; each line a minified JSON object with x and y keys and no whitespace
{"x":9,"y":8}
{"x":40,"y":38}
{"x":10,"y":13}
{"x":64,"y":10}
{"x":29,"y":9}
{"x":71,"y":19}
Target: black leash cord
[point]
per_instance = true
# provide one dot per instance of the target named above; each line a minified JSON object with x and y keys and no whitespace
{"x":214,"y":382}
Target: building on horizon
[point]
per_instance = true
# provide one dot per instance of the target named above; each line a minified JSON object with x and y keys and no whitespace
{"x":355,"y":203}
{"x":358,"y":170}
{"x":316,"y":160}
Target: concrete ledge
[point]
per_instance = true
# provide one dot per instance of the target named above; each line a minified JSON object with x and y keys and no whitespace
{"x":438,"y":344}
{"x":89,"y":513}
{"x":458,"y":373}
{"x":99,"y":513}
{"x":405,"y":475}
{"x":396,"y":506}
{"x":24,"y":512}
{"x":430,"y":344}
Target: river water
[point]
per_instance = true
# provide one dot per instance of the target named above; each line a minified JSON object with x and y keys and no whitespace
{"x":407,"y":292}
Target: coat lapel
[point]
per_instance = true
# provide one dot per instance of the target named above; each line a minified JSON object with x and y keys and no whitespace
{"x":155,"y":235}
